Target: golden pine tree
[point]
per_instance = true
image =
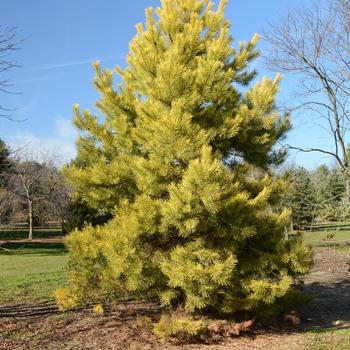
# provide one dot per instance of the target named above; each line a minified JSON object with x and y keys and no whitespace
{"x":173,"y":162}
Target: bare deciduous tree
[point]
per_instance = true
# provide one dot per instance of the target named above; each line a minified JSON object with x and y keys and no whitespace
{"x":314,"y":44}
{"x":26,"y":185}
{"x":8,"y":43}
{"x":38,"y":187}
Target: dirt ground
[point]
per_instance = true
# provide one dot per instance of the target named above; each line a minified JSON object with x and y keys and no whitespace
{"x":328,"y":282}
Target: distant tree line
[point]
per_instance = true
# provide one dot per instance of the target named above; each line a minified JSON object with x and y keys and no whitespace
{"x":36,"y":193}
{"x":318,"y":194}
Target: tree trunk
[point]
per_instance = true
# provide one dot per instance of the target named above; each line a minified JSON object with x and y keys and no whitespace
{"x":30,"y":216}
{"x":347,"y":187}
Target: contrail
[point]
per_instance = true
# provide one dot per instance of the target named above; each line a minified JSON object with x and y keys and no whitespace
{"x":73,"y":63}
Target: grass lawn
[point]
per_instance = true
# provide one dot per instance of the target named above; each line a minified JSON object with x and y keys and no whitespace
{"x":31,"y":272}
{"x":329,"y":340}
{"x":333,"y":234}
{"x":327,"y":238}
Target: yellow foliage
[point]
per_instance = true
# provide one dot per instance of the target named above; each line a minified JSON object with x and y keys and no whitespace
{"x":98,"y":309}
{"x":180,"y":161}
{"x":178,"y":327}
{"x":65,"y":299}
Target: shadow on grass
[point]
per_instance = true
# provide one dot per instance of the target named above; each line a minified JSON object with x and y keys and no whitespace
{"x":23,"y":234}
{"x":37,"y":248}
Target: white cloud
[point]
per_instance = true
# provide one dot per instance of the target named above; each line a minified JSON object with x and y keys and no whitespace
{"x":61,"y":149}
{"x":60,"y":146}
{"x":65,"y":128}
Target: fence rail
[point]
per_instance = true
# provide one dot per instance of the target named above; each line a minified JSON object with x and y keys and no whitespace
{"x":10,"y":232}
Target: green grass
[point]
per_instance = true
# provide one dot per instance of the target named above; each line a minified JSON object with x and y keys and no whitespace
{"x":334,"y":234}
{"x":30,"y":273}
{"x":327,"y":238}
{"x":338,"y":339}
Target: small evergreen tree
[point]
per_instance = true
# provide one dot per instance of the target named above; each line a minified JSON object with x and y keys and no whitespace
{"x":173,"y":160}
{"x":331,"y":194}
{"x":320,"y":181}
{"x":301,"y":198}
{"x":335,"y":186}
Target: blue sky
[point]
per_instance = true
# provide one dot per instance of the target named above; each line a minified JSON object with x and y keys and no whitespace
{"x":63,"y":38}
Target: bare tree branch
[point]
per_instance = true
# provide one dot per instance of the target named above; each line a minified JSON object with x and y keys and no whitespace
{"x":9,"y":42}
{"x":308,"y":150}
{"x":313,"y":43}
{"x":34,"y":187}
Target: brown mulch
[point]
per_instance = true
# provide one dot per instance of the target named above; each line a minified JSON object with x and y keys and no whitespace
{"x":328,"y":282}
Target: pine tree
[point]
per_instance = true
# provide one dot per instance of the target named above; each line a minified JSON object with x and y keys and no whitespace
{"x":335,"y":186}
{"x":173,"y":161}
{"x":320,"y":182}
{"x":331,"y":194}
{"x":301,"y":198}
